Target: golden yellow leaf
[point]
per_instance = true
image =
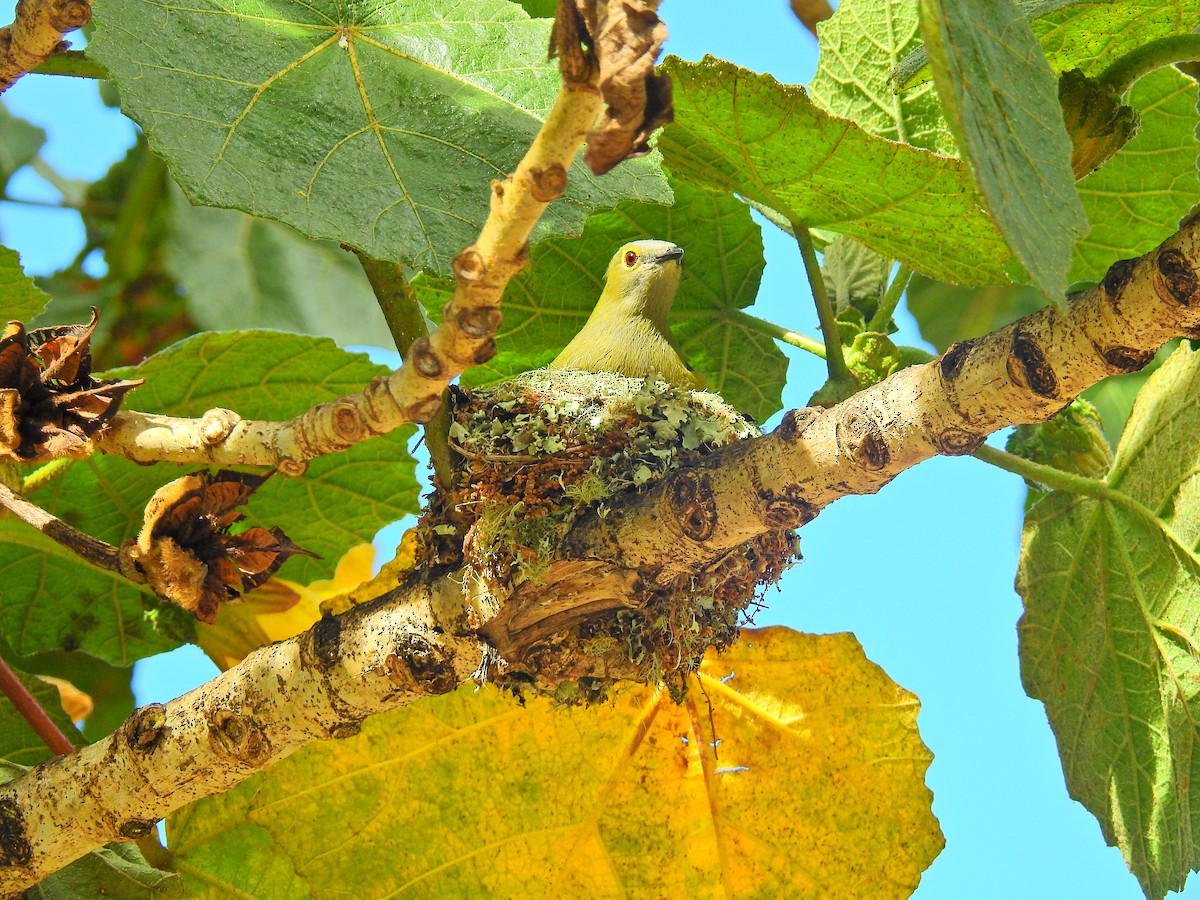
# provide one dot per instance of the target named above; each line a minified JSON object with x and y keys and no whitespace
{"x":816,"y":788}
{"x":279,"y":609}
{"x":75,"y":703}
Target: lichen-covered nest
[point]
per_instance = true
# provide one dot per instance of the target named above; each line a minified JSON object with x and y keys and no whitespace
{"x":537,"y":452}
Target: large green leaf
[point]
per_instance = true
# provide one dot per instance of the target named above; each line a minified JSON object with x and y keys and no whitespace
{"x":238,"y":271}
{"x":20,"y":142}
{"x":342,"y":499}
{"x":1110,"y":638}
{"x":20,"y":298}
{"x":819,"y":781}
{"x":19,"y":743}
{"x":376,"y":124}
{"x":1001,"y":101}
{"x":1136,"y":199}
{"x":748,"y":134}
{"x":52,"y":600}
{"x":1091,"y":36}
{"x":860,"y":46}
{"x":547,"y":304}
{"x":1085,"y":34}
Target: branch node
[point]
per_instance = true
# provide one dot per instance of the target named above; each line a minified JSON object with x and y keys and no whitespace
{"x":425,"y":358}
{"x":479,"y":321}
{"x":144,"y":729}
{"x":548,"y":183}
{"x":239,"y":738}
{"x":861,"y":439}
{"x":1028,"y":366}
{"x":1174,"y":278}
{"x":691,"y":498}
{"x":216,"y":425}
{"x":291,"y":468}
{"x":15,"y":849}
{"x":469,"y":266}
{"x":348,"y":424}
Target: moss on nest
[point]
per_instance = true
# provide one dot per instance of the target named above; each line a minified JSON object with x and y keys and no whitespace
{"x":538,"y":451}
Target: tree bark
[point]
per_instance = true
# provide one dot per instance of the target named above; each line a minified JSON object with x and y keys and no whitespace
{"x":424,"y":639}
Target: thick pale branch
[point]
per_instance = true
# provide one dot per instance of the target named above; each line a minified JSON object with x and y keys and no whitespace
{"x":466,"y":336}
{"x":36,"y":33}
{"x":424,"y":640}
{"x":319,"y":685}
{"x":1023,"y":373}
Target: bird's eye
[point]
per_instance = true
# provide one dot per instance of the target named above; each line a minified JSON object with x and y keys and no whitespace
{"x":630,"y":258}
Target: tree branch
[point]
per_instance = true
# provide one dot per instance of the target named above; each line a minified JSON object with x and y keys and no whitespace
{"x":423,"y":638}
{"x":465,"y":337}
{"x":36,"y":33}
{"x":1023,"y":373}
{"x":318,"y":685}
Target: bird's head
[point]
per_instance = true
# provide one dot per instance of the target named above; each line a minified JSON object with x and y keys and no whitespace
{"x":643,"y":277}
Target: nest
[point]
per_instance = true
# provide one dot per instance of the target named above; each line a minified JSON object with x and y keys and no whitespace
{"x":536,"y":453}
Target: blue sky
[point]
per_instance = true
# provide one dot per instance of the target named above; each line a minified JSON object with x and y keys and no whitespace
{"x":922,"y":573}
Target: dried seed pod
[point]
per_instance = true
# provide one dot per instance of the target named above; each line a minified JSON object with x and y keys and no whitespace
{"x":50,"y":405}
{"x":187,"y":552}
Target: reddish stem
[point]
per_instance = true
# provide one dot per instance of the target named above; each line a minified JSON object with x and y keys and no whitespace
{"x":32,"y":711}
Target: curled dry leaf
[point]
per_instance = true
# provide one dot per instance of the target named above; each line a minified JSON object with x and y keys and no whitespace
{"x":623,"y":38}
{"x":187,"y":552}
{"x":50,"y":405}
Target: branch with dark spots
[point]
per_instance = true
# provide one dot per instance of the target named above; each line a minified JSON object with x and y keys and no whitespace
{"x":1023,"y":373}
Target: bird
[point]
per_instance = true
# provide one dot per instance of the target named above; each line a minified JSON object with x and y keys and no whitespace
{"x":627,"y":332}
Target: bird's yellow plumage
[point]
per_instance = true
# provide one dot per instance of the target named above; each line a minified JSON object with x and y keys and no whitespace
{"x":627,"y":333}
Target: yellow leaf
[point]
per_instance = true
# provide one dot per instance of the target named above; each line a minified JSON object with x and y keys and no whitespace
{"x":815,"y":789}
{"x":278,"y":610}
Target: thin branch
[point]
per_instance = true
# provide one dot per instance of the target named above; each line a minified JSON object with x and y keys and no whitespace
{"x":31,"y":711}
{"x":835,"y":360}
{"x":810,"y":12}
{"x":407,"y":322}
{"x":1141,"y":61}
{"x":887,"y":306}
{"x":98,"y":553}
{"x":36,"y":33}
{"x":794,"y":338}
{"x":1039,"y":473}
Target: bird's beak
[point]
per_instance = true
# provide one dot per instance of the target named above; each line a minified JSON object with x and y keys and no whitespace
{"x":675,"y":253}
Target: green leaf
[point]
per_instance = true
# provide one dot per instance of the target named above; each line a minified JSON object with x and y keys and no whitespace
{"x":860,"y":46}
{"x":1109,"y":638}
{"x":114,"y":872}
{"x":342,"y":499}
{"x":19,"y":743}
{"x":1001,"y":101}
{"x":1136,"y":199}
{"x":20,"y":142}
{"x":376,"y":124}
{"x":547,"y":304}
{"x":20,"y":298}
{"x":623,"y":801}
{"x":1091,"y":36}
{"x":238,"y":271}
{"x":748,"y":134}
{"x":1088,"y":35}
{"x":855,"y":277}
{"x":52,"y":600}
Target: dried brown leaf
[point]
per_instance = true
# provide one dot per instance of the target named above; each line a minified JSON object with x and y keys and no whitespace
{"x":624,"y":39}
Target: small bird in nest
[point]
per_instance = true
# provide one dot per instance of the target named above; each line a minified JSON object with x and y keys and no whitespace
{"x":627,"y":333}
